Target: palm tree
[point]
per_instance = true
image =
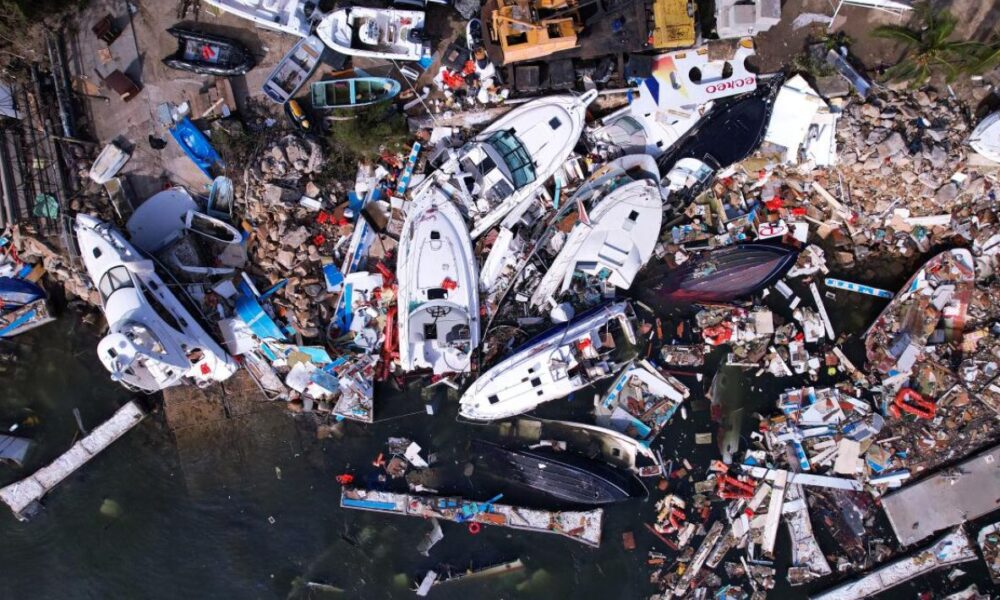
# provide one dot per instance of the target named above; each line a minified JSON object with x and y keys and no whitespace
{"x":929,"y":49}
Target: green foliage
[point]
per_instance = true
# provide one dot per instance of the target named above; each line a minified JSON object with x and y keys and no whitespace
{"x":356,"y":136}
{"x":930,"y":48}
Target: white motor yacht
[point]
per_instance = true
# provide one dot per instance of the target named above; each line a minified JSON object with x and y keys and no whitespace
{"x":552,"y":366}
{"x":438,"y":294}
{"x":384,"y":33}
{"x":510,"y":160}
{"x":985,"y":138}
{"x":153,"y":341}
{"x":615,"y":240}
{"x":288,"y":16}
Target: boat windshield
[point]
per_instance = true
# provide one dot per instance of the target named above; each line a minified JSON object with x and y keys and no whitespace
{"x":113,"y":280}
{"x":515,"y":156}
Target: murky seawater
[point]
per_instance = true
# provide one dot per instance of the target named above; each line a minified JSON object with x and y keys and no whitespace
{"x":254,"y":513}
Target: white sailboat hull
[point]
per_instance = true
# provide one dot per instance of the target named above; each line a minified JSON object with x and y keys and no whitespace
{"x":548,"y":369}
{"x":153,"y":341}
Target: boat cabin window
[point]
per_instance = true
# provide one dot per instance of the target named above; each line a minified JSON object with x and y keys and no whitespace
{"x":515,"y":156}
{"x":165,"y":314}
{"x":113,"y":280}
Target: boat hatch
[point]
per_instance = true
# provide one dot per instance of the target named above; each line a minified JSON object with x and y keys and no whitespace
{"x":554,"y":123}
{"x":494,"y":399}
{"x":514,"y":155}
{"x":437,"y":294}
{"x":114,"y":279}
{"x":430,"y":331}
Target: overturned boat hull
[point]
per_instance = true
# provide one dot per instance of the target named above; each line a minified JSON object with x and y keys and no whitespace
{"x":725,"y":274}
{"x":562,"y":475}
{"x":384,"y":33}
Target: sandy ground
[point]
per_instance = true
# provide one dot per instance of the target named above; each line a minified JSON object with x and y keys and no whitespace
{"x":137,"y":52}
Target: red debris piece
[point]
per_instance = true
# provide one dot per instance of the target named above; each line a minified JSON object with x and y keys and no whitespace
{"x":449,"y":284}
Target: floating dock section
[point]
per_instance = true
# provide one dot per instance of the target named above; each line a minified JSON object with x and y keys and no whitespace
{"x":952,"y":549}
{"x":23,"y":496}
{"x":581,"y":526}
{"x":955,"y":495}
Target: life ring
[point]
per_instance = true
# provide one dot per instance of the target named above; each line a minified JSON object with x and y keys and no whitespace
{"x":475,"y":528}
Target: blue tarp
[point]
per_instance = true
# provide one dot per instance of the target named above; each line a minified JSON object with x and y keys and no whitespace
{"x":194,"y":143}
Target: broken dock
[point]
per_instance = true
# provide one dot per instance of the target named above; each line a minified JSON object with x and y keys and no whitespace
{"x":23,"y":496}
{"x":581,"y":526}
{"x":955,"y":495}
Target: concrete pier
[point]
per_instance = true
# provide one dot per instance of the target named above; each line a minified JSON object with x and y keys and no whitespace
{"x":22,"y":497}
{"x":966,"y":491}
{"x":952,"y":549}
{"x":582,"y":526}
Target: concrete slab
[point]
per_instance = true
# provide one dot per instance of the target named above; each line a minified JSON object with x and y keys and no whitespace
{"x":964,"y":492}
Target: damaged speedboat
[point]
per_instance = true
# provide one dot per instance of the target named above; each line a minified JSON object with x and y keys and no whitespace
{"x":170,"y":227}
{"x":153,"y":341}
{"x":934,"y":302}
{"x":208,"y":54}
{"x":294,"y":69}
{"x":512,"y":158}
{"x":551,"y":366}
{"x":384,"y":33}
{"x":23,"y":306}
{"x":563,"y":475}
{"x":640,"y":402}
{"x":438,"y":287}
{"x":611,"y":243}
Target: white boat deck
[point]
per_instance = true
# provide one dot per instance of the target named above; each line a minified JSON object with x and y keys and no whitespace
{"x":581,"y":526}
{"x":21,"y":495}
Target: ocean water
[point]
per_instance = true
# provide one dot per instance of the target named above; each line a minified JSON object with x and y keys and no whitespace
{"x":250,"y":509}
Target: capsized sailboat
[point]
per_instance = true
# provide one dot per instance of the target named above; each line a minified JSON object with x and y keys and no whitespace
{"x":551,"y":366}
{"x":154,"y":342}
{"x":438,"y":293}
{"x":512,"y":159}
{"x":384,"y":33}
